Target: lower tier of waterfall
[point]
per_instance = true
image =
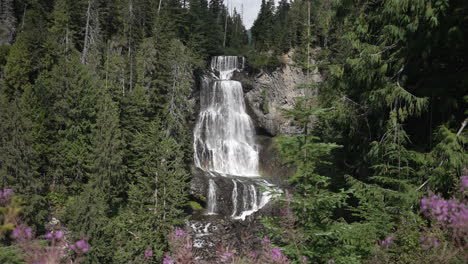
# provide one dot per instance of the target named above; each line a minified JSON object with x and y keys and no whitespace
{"x":236,"y":197}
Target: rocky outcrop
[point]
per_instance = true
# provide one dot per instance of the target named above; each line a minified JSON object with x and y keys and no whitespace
{"x":266,"y":93}
{"x":210,"y":234}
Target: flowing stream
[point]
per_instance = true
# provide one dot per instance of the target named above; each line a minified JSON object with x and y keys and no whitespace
{"x":224,"y":141}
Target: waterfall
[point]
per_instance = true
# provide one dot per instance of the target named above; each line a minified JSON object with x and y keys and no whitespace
{"x":212,"y":197}
{"x":224,"y":141}
{"x":234,"y":199}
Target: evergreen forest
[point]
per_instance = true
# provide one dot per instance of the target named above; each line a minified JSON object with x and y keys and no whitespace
{"x":97,"y":113}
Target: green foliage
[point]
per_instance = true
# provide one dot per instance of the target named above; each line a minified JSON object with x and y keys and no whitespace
{"x":195,"y":206}
{"x":376,"y":104}
{"x":447,"y":160}
{"x":95,"y":107}
{"x":262,"y":29}
{"x":157,"y":198}
{"x":4,"y":51}
{"x":58,"y":199}
{"x":262,"y":61}
{"x":90,"y":215}
{"x":18,"y":69}
{"x":73,"y":91}
{"x":264,"y":103}
{"x":10,"y":255}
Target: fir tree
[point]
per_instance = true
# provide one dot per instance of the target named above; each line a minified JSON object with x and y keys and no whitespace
{"x":156,"y":199}
{"x":73,"y":92}
{"x":90,"y":214}
{"x":19,"y":160}
{"x":262,"y":28}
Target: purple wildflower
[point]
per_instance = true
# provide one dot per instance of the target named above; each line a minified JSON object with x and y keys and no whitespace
{"x":48,"y":235}
{"x":148,"y":253}
{"x":16,"y":232}
{"x":85,"y":249}
{"x":28,"y":232}
{"x":72,"y":247}
{"x":266,"y":241}
{"x":331,"y":261}
{"x":226,"y":256}
{"x":386,"y":242}
{"x":82,"y":246}
{"x":22,"y":232}
{"x":304,"y":259}
{"x":424,"y":204}
{"x":276,"y":254}
{"x":168,"y":260}
{"x":464,"y":182}
{"x":179,"y":232}
{"x":58,"y":235}
{"x":7,"y":192}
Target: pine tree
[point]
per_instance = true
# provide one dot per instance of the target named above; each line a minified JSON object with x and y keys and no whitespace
{"x":308,"y":225}
{"x":19,"y":160}
{"x":73,"y":92}
{"x":262,"y":28}
{"x":178,"y":107}
{"x":135,"y":116}
{"x":198,"y":27}
{"x":91,"y":213}
{"x":19,"y":68}
{"x":156,"y":199}
{"x":281,"y":30}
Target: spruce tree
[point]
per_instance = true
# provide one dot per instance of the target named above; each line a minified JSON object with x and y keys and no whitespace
{"x":19,"y":68}
{"x":91,"y":212}
{"x":156,"y":199}
{"x":20,"y":161}
{"x":262,"y":28}
{"x":72,"y":90}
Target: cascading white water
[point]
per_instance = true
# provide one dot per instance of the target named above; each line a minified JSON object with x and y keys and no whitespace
{"x":234,"y":198}
{"x":212,"y":200}
{"x":224,"y":138}
{"x":224,"y":133}
{"x":226,"y":66}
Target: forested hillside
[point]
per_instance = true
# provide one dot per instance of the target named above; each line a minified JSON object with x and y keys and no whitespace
{"x":94,"y":104}
{"x":386,"y":129}
{"x":96,"y":125}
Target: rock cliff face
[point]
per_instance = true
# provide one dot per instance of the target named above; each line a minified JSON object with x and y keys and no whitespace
{"x":267,"y":93}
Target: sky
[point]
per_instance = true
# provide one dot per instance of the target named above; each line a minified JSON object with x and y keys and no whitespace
{"x":251,"y":8}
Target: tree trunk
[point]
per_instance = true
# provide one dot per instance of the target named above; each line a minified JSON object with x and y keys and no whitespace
{"x":130,"y":43}
{"x":225,"y":26}
{"x":463,"y":125}
{"x":308,"y":41}
{"x":159,"y":6}
{"x":87,"y":32}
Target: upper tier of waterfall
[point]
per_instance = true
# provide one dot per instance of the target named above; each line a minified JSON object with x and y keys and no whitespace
{"x":224,"y":134}
{"x":226,"y":66}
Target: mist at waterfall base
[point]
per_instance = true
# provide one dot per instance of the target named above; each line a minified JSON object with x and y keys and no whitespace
{"x":224,"y":142}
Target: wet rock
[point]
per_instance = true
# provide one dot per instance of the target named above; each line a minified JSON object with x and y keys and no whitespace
{"x":210,"y":233}
{"x":235,"y":197}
